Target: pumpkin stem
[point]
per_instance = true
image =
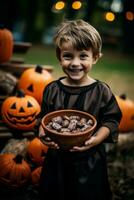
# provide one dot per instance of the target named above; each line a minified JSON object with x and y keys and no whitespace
{"x":18,"y":159}
{"x":123,"y":96}
{"x":38,"y":69}
{"x":20,"y":93}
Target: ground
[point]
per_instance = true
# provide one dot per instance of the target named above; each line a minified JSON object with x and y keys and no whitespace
{"x":121,"y":167}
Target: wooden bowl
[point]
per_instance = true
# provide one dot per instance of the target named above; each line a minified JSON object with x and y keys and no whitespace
{"x":67,"y":140}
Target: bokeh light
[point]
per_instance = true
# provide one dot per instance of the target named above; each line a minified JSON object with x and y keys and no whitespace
{"x":59,"y":5}
{"x":129,"y":16}
{"x":110,"y":16}
{"x":76,"y":5}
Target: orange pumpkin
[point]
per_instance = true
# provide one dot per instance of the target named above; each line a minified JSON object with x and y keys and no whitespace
{"x":127,"y":108}
{"x":35,"y":175}
{"x":37,"y":151}
{"x":20,"y":111}
{"x":6,"y":44}
{"x":33,"y":81}
{"x":14,"y":170}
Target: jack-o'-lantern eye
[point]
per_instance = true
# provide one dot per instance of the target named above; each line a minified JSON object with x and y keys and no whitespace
{"x":29,"y":104}
{"x":30,"y":88}
{"x":13,"y":106}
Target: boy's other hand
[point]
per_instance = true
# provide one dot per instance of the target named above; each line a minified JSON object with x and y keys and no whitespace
{"x":46,"y":140}
{"x":88,"y":144}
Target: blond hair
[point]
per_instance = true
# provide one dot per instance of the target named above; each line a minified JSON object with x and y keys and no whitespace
{"x":81,"y":34}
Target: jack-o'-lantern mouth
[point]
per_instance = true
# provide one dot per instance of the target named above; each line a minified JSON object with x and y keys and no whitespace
{"x":27,"y":119}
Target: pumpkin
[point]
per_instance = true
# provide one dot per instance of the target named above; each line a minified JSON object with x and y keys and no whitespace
{"x":14,"y":170}
{"x":33,"y":81}
{"x":127,"y":108}
{"x":35,"y":175}
{"x":6,"y":44}
{"x":20,"y":111}
{"x":37,"y":151}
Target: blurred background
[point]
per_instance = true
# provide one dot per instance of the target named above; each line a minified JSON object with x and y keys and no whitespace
{"x":35,"y":21}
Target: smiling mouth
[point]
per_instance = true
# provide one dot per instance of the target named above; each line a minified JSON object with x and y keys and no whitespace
{"x":75,"y":70}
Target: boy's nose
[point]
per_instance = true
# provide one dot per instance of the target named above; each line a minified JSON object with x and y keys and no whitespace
{"x":75,"y":62}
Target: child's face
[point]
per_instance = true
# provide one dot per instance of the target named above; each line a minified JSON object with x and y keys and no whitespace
{"x":76,"y":63}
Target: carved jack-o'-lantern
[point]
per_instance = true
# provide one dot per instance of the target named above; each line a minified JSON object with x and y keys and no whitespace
{"x":37,"y":151}
{"x":14,"y":170}
{"x":6,"y":44}
{"x":127,"y":109}
{"x":20,"y":111}
{"x":33,"y":81}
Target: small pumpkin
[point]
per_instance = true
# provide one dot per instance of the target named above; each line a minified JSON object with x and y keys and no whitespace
{"x":20,"y":111}
{"x":127,"y":108}
{"x":14,"y":170}
{"x":35,"y":175}
{"x":6,"y":44}
{"x":37,"y":151}
{"x":33,"y":81}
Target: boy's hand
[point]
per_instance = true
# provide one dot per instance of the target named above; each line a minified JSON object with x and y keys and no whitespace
{"x":102,"y":133}
{"x":46,"y":140}
{"x":88,"y":144}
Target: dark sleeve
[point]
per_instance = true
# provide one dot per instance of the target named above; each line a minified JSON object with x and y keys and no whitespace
{"x":110,"y":115}
{"x":44,"y":108}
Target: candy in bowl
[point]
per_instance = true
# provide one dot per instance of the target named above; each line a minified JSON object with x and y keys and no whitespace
{"x":68,"y":127}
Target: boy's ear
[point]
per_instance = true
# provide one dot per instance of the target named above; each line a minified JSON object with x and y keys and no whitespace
{"x":96,"y":58}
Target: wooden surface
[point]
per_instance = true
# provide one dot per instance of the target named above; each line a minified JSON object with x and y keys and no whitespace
{"x":21,"y":47}
{"x":17,"y":65}
{"x":18,"y":68}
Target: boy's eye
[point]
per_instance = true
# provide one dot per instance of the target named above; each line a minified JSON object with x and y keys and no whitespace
{"x":67,"y":56}
{"x":83,"y":56}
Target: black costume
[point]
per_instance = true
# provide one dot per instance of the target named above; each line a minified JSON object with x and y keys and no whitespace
{"x":79,"y":175}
